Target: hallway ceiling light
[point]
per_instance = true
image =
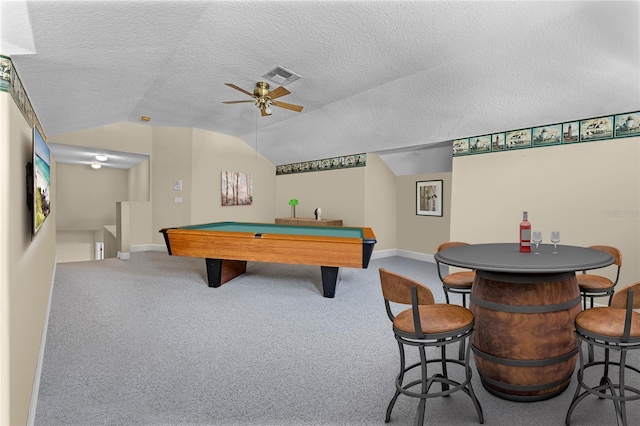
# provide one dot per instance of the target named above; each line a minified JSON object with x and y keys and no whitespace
{"x":95,"y":165}
{"x":102,"y":157}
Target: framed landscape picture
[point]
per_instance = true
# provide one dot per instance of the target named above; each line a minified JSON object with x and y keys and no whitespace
{"x":429,"y":198}
{"x":237,"y":189}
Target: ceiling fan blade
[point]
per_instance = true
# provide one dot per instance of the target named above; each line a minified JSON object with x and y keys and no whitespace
{"x":236,"y":102}
{"x":292,"y":107}
{"x":278,"y":92}
{"x":263,"y":112}
{"x":240,"y":89}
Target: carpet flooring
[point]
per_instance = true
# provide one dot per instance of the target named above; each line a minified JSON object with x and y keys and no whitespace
{"x":145,"y":341}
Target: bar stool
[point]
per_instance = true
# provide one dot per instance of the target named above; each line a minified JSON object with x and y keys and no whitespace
{"x":426,"y":324}
{"x":592,"y":285}
{"x":456,"y":282}
{"x":617,"y":328}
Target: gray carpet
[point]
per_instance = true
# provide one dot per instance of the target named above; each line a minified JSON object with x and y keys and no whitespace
{"x":146,"y":342}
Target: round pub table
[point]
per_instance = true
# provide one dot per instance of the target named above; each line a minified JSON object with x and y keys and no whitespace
{"x":525,"y":305}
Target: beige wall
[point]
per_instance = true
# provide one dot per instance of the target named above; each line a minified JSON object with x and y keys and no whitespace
{"x":214,"y":153}
{"x":421,"y":234}
{"x":87,"y":197}
{"x":139,"y":183}
{"x":27,"y":268}
{"x":170,"y":160}
{"x":339,"y":193}
{"x":587,"y":191}
{"x":380,"y":202}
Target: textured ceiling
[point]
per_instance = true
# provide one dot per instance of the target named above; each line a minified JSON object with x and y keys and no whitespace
{"x":375,"y":76}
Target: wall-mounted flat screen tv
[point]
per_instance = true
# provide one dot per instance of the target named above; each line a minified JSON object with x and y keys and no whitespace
{"x":41,"y":180}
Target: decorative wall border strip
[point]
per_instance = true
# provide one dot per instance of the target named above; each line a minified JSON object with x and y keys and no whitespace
{"x":343,"y":162}
{"x":591,"y":129}
{"x":10,"y":82}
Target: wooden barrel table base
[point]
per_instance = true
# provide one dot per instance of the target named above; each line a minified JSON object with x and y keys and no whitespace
{"x":524,"y":347}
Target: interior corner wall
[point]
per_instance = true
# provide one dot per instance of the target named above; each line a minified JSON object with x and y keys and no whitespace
{"x":380,"y":202}
{"x":170,"y":160}
{"x":214,"y":153}
{"x":339,"y":193}
{"x":588,"y":191}
{"x":138,"y":181}
{"x":89,"y":199}
{"x":28,"y":267}
{"x":417,"y":233}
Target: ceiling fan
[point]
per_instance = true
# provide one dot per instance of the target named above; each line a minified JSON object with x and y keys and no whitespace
{"x":265,"y":99}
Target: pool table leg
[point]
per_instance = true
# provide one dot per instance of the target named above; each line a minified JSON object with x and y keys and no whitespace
{"x":220,"y":271}
{"x":329,"y":280}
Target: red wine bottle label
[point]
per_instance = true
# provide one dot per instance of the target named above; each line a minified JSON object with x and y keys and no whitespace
{"x":526,"y":236}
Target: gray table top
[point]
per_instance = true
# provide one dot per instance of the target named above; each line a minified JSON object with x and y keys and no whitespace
{"x":506,"y":257}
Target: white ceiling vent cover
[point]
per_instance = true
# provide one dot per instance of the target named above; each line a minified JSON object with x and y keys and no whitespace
{"x":281,"y":75}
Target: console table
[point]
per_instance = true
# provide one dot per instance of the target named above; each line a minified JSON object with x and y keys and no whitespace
{"x":308,"y":221}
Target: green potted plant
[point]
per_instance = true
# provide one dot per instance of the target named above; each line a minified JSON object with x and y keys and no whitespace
{"x":293,"y":203}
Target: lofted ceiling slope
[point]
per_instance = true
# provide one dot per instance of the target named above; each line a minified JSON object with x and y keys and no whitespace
{"x":375,"y":76}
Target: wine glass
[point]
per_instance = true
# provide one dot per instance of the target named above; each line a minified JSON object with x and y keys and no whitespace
{"x":537,"y":239}
{"x":555,"y":239}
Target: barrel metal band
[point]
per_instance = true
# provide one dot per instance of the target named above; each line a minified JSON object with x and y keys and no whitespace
{"x":525,"y":309}
{"x":524,"y":388}
{"x":524,"y":362}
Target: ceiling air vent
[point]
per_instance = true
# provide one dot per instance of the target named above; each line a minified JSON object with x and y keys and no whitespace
{"x":281,"y":76}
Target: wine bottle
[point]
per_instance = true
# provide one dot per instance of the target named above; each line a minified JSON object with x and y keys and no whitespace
{"x":525,"y":234}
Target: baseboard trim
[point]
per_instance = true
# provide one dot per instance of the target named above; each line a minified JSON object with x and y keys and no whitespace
{"x":148,"y":247}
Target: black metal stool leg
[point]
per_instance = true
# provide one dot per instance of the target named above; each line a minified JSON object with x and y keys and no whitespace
{"x":399,"y":380}
{"x":623,"y":408}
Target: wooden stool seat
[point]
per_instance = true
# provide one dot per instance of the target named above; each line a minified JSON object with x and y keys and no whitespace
{"x":595,"y":285}
{"x":434,"y":319}
{"x":607,"y":322}
{"x":462,"y":280}
{"x":594,"y":282}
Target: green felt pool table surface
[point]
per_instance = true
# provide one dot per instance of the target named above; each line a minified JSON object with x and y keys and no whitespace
{"x":269,"y":228}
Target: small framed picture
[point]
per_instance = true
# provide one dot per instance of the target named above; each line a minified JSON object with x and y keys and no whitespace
{"x":596,"y":128}
{"x":429,"y":198}
{"x":570,"y":132}
{"x":517,"y":139}
{"x":479,"y":144}
{"x":460,"y":147}
{"x":547,"y":135}
{"x":627,"y":125}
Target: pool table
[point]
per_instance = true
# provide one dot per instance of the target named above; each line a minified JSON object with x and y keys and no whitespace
{"x":227,"y":246}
